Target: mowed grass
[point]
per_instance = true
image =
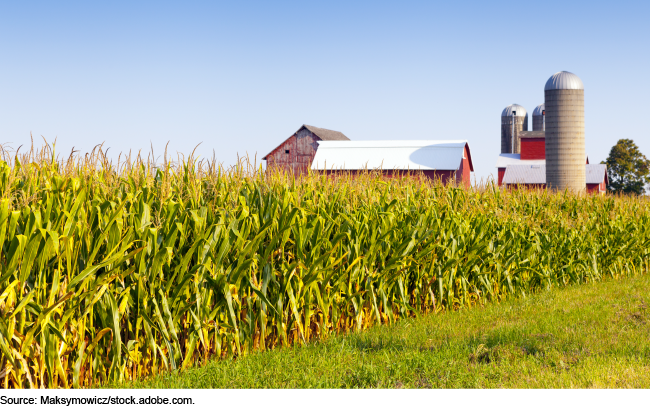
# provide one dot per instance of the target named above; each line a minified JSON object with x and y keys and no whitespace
{"x":587,"y":336}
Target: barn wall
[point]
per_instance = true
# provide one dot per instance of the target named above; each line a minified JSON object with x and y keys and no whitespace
{"x":445,"y":176}
{"x":591,"y":188}
{"x":302,"y":148}
{"x":526,"y":186}
{"x":502,"y":172}
{"x":464,"y":171}
{"x":533,"y":148}
{"x":278,"y":158}
{"x":596,"y":188}
{"x":306,"y":146}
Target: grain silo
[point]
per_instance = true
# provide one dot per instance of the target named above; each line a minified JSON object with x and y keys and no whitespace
{"x":538,"y":118}
{"x":564,"y":100}
{"x":514,"y":119}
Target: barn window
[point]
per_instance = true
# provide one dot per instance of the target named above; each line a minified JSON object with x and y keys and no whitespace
{"x":286,"y":151}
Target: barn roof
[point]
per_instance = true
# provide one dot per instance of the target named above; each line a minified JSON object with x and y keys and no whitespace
{"x":534,"y":133}
{"x":596,"y":173}
{"x":390,"y":154}
{"x":322,"y":134}
{"x":508,"y":159}
{"x":536,"y":173}
{"x":525,"y":174}
{"x":325,"y":134}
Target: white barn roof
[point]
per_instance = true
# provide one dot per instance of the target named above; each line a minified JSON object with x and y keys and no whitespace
{"x":536,"y":174}
{"x":509,"y":159}
{"x":390,"y":155}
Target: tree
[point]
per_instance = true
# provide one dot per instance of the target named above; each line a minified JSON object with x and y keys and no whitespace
{"x":628,"y":169}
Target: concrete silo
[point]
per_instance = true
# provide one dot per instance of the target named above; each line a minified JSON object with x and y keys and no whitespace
{"x":514,"y":119}
{"x":538,"y":118}
{"x":564,"y":100}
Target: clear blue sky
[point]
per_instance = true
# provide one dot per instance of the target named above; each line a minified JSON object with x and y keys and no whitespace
{"x":240,"y":77}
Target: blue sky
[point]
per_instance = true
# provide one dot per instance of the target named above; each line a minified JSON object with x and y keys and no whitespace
{"x":240,"y":77}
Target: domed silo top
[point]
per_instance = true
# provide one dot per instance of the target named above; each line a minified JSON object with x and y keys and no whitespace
{"x":564,"y":80}
{"x":518,"y":109}
{"x":538,"y":110}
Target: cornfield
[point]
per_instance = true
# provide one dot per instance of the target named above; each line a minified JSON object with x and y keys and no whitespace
{"x":109,"y":272}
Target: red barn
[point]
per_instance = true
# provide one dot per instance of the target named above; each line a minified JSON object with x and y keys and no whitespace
{"x":533,"y":145}
{"x":534,"y":176}
{"x":529,"y":167}
{"x":447,"y":160}
{"x":297,"y":152}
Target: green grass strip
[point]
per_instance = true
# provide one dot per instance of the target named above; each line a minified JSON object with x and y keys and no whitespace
{"x":587,"y":336}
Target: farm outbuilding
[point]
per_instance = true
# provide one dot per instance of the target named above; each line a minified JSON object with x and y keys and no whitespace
{"x":529,"y":168}
{"x":524,"y":168}
{"x":297,"y":152}
{"x":533,"y":145}
{"x":447,"y":160}
{"x":534,"y":176}
{"x":510,"y":159}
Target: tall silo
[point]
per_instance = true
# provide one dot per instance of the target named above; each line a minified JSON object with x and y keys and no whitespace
{"x":514,"y":119}
{"x":564,"y":100}
{"x":538,"y":118}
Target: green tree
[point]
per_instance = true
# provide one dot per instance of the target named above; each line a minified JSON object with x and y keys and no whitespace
{"x":627,"y":168}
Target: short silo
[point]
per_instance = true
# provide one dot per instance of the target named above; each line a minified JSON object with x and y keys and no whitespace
{"x":564,"y":101}
{"x":538,"y":118}
{"x":514,"y":120}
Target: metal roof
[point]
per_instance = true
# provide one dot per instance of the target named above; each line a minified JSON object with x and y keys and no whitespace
{"x":596,"y":173}
{"x":538,"y":110}
{"x":564,"y":80}
{"x":532,"y":133}
{"x":525,"y":174}
{"x":507,"y":159}
{"x":390,"y":154}
{"x":520,"y":110}
{"x":513,"y":159}
{"x":325,"y":134}
{"x":536,"y":174}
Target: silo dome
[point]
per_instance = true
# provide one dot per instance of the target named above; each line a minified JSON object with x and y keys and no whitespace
{"x":538,"y":110}
{"x":520,"y":110}
{"x":564,"y":80}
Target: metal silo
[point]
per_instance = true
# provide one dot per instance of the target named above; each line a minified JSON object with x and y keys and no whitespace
{"x":514,"y":119}
{"x":538,"y":118}
{"x":564,"y":100}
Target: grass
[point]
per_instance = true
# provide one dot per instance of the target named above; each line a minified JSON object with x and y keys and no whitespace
{"x":587,"y":336}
